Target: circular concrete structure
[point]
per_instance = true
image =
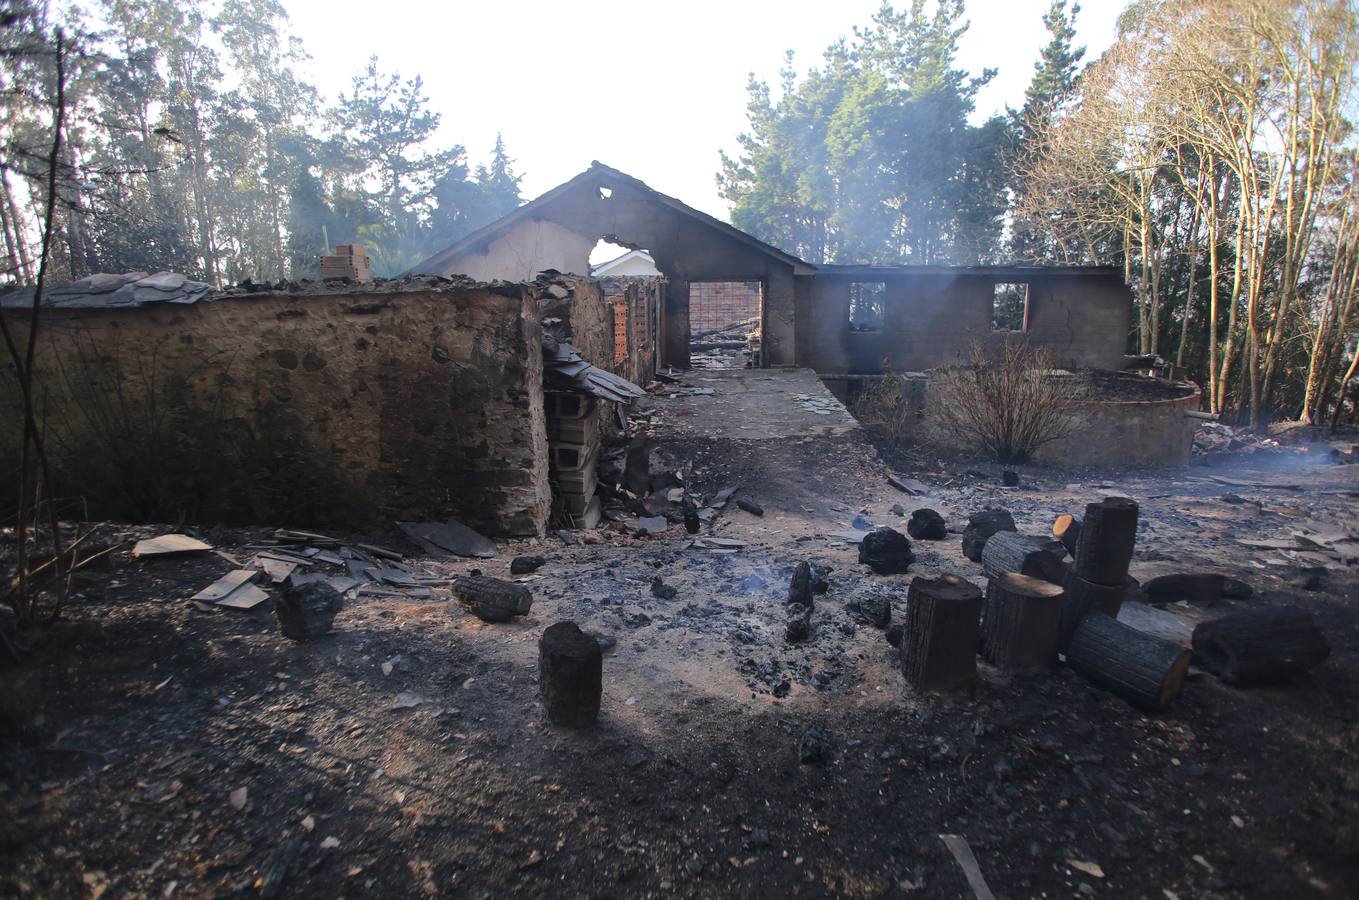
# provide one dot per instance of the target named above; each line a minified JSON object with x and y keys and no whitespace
{"x":1127,"y":420}
{"x":1117,"y":419}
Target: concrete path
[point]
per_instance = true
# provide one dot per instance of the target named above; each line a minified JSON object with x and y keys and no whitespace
{"x":752,"y":404}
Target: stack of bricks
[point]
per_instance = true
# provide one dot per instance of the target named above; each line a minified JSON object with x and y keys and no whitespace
{"x":573,"y":451}
{"x":349,"y":262}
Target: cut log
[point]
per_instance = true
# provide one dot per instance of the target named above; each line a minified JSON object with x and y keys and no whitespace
{"x":1081,"y":598}
{"x":491,"y":599}
{"x":800,"y":585}
{"x":1108,"y":535}
{"x":1009,"y":551}
{"x":570,"y":675}
{"x":1141,"y":668}
{"x":980,"y":527}
{"x":939,"y":644}
{"x":1023,"y":622}
{"x":1067,"y":529}
{"x":1260,"y":646}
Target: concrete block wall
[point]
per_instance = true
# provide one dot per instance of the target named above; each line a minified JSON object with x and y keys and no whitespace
{"x":934,"y":319}
{"x":426,"y":403}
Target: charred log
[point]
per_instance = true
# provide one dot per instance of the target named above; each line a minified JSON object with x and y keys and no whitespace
{"x":1141,"y":668}
{"x":570,"y":675}
{"x":980,"y":527}
{"x":1023,"y":622}
{"x":1081,"y":598}
{"x":1009,"y":551}
{"x":939,"y":642}
{"x":1260,"y":646}
{"x":1067,"y":529}
{"x":491,"y":599}
{"x":1108,"y":536}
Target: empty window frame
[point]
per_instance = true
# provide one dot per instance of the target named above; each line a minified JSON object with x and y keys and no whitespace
{"x":867,"y":305}
{"x":1010,"y":307}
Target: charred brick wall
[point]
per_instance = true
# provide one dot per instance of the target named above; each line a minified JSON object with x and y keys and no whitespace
{"x":399,"y":404}
{"x":637,"y":324}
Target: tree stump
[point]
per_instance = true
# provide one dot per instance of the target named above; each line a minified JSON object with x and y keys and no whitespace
{"x":980,"y":527}
{"x":1009,"y":551}
{"x":1260,"y":646}
{"x":939,"y":643}
{"x":1067,"y":529}
{"x":1023,"y":622}
{"x":1081,"y":598}
{"x":570,"y":675}
{"x":1108,"y":535}
{"x":491,"y":599}
{"x":1141,"y":668}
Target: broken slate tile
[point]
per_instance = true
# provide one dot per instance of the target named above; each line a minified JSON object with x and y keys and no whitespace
{"x":168,"y":545}
{"x":451,"y":537}
{"x":224,"y":585}
{"x":653,"y":524}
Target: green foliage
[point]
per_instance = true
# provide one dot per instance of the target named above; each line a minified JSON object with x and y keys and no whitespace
{"x":195,"y":146}
{"x":871,"y":158}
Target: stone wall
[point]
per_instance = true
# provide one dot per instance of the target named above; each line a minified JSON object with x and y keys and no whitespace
{"x":411,"y":403}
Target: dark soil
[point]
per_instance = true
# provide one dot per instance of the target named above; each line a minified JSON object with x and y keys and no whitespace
{"x":130,"y":726}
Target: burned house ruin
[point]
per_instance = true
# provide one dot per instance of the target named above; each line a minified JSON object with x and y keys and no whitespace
{"x":477,"y":385}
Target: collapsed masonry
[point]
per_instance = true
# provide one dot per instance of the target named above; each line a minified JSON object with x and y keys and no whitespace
{"x":404,"y":399}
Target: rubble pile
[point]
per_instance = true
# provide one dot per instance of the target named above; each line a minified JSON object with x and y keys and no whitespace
{"x":1215,"y":437}
{"x":736,"y":346}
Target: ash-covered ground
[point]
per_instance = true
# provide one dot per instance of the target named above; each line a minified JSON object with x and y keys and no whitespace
{"x":153,"y":746}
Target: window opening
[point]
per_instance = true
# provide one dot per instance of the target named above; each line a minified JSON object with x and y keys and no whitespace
{"x":1010,"y":307}
{"x":867,"y":305}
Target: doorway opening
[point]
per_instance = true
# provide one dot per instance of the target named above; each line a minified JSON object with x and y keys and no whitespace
{"x":724,"y":324}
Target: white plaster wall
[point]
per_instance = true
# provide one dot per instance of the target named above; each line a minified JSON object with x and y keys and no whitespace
{"x":635,"y":267}
{"x":527,"y":249}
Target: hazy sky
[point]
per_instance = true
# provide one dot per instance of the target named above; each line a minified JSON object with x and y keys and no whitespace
{"x":654,"y":89}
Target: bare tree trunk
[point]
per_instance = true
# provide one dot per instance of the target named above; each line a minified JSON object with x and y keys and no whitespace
{"x":20,"y":240}
{"x":1233,"y":301}
{"x":1193,"y":271}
